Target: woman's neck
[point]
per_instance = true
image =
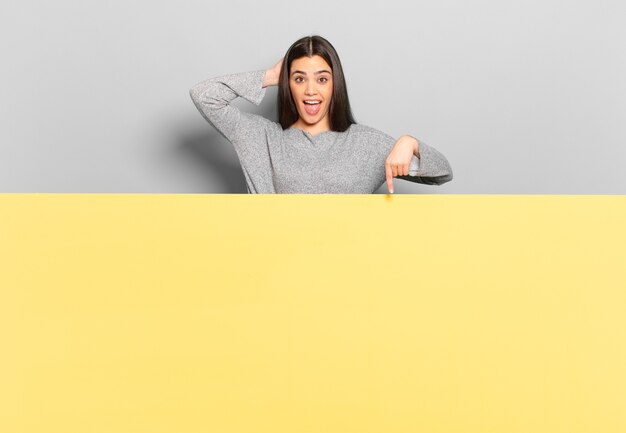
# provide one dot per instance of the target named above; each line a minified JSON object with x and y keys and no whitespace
{"x":311,"y":129}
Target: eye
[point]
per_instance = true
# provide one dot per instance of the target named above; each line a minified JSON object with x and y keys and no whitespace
{"x":324,"y":78}
{"x":296,"y":79}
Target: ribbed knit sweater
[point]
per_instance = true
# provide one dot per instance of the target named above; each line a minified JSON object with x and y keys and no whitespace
{"x":293,"y":160}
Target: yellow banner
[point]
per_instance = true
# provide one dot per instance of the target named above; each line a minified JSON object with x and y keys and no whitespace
{"x":131,"y":313}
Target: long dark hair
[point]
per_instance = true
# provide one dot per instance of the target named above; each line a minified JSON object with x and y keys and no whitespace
{"x":339,"y":112}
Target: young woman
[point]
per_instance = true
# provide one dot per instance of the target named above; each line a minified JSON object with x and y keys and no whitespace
{"x":316,"y":147}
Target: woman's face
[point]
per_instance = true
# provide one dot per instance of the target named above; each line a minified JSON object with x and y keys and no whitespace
{"x":311,"y":79}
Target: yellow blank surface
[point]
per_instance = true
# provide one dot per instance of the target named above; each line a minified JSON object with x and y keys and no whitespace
{"x":132,"y":313}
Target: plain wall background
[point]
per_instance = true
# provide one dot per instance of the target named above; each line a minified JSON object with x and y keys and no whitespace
{"x":521,"y":97}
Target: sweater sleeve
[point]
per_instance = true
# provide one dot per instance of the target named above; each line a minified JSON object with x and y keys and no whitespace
{"x":431,"y":168}
{"x":246,"y":131}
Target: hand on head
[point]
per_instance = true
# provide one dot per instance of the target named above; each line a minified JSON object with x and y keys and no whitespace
{"x":276,"y":68}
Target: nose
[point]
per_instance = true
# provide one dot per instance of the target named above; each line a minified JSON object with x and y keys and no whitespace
{"x":310,"y":88}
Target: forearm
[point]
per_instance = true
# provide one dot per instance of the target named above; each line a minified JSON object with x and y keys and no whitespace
{"x":428,"y":165}
{"x":432,"y":167}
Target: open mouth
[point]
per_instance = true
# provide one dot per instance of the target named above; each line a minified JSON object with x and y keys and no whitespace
{"x":312,"y":107}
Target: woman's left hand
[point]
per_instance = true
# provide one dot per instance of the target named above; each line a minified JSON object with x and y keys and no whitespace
{"x":399,"y":159}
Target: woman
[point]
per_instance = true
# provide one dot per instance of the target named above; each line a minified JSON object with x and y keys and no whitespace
{"x":316,"y":147}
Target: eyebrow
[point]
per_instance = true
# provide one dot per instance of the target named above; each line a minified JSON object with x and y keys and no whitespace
{"x":316,"y":73}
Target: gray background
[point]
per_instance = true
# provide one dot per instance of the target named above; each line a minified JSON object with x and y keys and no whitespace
{"x":521,"y":97}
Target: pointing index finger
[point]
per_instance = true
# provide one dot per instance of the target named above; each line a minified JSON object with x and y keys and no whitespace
{"x":389,"y":178}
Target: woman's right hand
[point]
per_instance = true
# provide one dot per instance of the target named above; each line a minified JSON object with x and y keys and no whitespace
{"x":273,"y":74}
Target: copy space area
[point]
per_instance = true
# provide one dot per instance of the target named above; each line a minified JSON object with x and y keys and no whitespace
{"x":161,"y":313}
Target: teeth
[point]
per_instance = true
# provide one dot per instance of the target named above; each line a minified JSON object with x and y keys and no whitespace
{"x":311,"y":102}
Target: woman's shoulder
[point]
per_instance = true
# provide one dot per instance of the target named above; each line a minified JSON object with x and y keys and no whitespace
{"x":258,"y":121}
{"x":369,"y":131}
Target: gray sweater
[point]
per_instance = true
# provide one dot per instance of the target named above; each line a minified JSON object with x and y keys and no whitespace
{"x":294,"y":161}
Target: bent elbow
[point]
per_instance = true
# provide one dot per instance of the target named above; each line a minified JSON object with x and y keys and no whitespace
{"x":445,"y":178}
{"x":440,"y":179}
{"x":447,"y":175}
{"x":436,"y":180}
{"x":194,"y":96}
{"x":205,"y":96}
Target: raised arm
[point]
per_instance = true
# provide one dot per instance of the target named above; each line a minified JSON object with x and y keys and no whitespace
{"x":213,"y":99}
{"x":246,"y":131}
